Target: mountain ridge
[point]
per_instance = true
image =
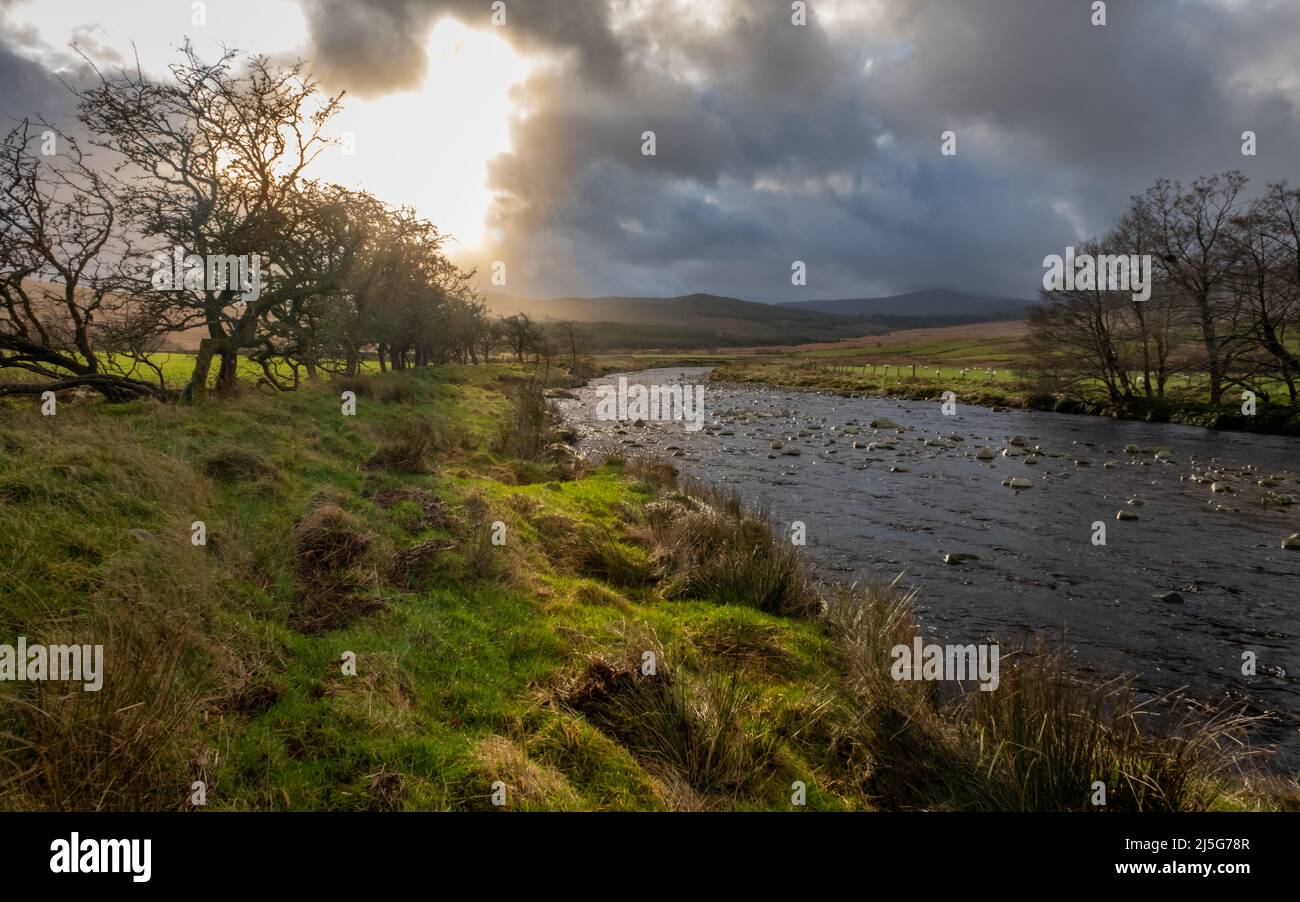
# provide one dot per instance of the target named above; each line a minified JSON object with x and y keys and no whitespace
{"x":944,"y":302}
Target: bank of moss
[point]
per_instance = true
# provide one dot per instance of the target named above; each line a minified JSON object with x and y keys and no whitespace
{"x":539,"y":624}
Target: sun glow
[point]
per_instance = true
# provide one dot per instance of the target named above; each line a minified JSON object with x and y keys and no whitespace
{"x":430,"y":148}
{"x":427,"y":148}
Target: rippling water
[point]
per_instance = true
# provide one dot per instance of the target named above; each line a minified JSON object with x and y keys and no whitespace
{"x":1038,"y":571}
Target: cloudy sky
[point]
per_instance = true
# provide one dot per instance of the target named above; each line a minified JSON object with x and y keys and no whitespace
{"x":775,"y":142}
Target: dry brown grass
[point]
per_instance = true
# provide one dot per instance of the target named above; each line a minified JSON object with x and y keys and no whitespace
{"x":124,"y":747}
{"x":410,"y":448}
{"x":336,"y":561}
{"x":1036,"y":743}
{"x":706,"y":544}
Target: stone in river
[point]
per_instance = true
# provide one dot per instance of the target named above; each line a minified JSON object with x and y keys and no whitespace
{"x":1126,"y":515}
{"x":958,"y":558}
{"x":1171,"y":597}
{"x":1292,"y":542}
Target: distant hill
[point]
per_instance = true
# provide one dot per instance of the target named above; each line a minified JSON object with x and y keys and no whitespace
{"x":689,"y":321}
{"x":710,"y":321}
{"x":938,"y":303}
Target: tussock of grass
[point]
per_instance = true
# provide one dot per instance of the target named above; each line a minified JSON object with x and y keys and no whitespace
{"x":335,"y":559}
{"x":1045,"y":733}
{"x":123,"y":746}
{"x":745,"y":645}
{"x":529,"y":785}
{"x":410,"y":450}
{"x":421,"y":508}
{"x":237,"y":465}
{"x":706,"y":545}
{"x":395,"y":390}
{"x":684,"y":726}
{"x":1036,"y":743}
{"x":362,"y":386}
{"x":589,"y":551}
{"x":483,"y":560}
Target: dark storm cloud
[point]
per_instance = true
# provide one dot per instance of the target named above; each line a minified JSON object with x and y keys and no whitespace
{"x":821,"y":143}
{"x":27,"y":89}
{"x":778,"y":143}
{"x":1159,"y":91}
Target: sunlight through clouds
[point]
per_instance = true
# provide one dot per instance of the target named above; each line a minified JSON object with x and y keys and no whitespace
{"x":428,"y":148}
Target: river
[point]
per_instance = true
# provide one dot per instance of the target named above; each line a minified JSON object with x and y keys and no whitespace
{"x":903,"y":499}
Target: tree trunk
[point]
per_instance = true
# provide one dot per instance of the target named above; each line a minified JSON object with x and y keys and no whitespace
{"x":198,"y":386}
{"x":228,"y":372}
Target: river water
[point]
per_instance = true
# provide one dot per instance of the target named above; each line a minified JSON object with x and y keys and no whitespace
{"x":905,"y":498}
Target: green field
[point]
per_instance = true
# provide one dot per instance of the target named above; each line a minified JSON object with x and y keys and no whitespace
{"x":986,"y":370}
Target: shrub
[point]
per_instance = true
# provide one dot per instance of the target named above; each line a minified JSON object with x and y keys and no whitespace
{"x":524,"y":432}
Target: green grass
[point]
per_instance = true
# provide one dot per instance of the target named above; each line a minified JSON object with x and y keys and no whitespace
{"x":475,"y":663}
{"x":176,"y":368}
{"x":991,"y":372}
{"x":452,"y":668}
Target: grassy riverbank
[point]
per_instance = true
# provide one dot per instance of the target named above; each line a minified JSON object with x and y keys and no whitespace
{"x":991,"y":386}
{"x":523,"y":663}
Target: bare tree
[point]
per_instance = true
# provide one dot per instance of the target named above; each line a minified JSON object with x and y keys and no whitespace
{"x":1266,"y":284}
{"x":520,"y":334}
{"x":60,"y":268}
{"x":216,"y":156}
{"x":571,"y":337}
{"x":1081,"y":337}
{"x":1193,"y":231}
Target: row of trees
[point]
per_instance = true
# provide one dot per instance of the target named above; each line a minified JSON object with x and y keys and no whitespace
{"x":1224,"y":306}
{"x":213,"y":162}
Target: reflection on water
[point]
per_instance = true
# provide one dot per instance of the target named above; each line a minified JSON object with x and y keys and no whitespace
{"x":884,"y":501}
